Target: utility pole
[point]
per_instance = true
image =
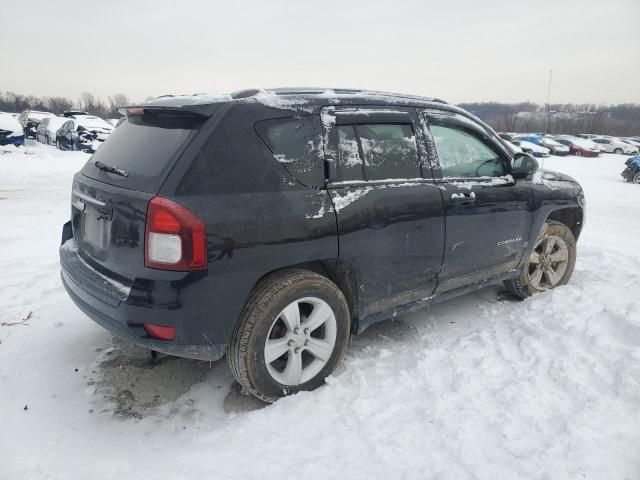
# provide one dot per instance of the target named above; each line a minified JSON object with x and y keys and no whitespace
{"x":546,"y":122}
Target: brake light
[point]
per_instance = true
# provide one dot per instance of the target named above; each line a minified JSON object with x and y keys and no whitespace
{"x":160,"y":332}
{"x":175,"y":239}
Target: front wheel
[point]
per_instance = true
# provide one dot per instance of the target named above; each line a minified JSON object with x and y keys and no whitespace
{"x":550,"y":263}
{"x":578,"y":153}
{"x":618,"y":151}
{"x":58,"y":145}
{"x":636,"y":178}
{"x":291,"y":335}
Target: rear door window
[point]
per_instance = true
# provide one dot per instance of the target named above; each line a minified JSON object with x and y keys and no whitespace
{"x":377,"y":151}
{"x":145,"y":146}
{"x":389,"y":151}
{"x":349,"y":158}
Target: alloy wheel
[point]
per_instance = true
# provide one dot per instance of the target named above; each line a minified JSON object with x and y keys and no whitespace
{"x":548,"y":262}
{"x":301,"y":341}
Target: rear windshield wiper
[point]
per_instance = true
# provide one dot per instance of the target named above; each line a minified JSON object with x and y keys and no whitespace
{"x":109,"y":169}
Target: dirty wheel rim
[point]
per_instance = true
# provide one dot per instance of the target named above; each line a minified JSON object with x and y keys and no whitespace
{"x":548,"y":262}
{"x":301,"y":341}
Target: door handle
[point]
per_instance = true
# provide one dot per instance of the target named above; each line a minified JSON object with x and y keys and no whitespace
{"x":463,"y":197}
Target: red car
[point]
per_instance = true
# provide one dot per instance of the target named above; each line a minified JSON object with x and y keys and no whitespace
{"x":579,"y":146}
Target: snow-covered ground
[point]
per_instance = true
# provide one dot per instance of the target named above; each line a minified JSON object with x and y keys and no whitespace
{"x":480,"y":387}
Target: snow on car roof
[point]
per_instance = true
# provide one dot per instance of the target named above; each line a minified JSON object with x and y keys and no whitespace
{"x":91,"y":121}
{"x":9,"y":122}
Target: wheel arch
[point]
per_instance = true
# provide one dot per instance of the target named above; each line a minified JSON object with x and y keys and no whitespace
{"x":339,"y":271}
{"x":572,"y":217}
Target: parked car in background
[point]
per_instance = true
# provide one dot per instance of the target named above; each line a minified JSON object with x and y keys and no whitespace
{"x":11,"y":132}
{"x":85,"y":133}
{"x":556,"y":148}
{"x":632,"y":172}
{"x":532,"y":145}
{"x":48,"y":128}
{"x":631,"y":141}
{"x":73,"y":113}
{"x":614,"y":145}
{"x":219,"y":226}
{"x":30,"y":119}
{"x":512,"y":146}
{"x":580,"y":147}
{"x":507,"y":136}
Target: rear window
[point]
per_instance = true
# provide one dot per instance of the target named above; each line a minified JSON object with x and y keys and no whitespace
{"x":146,"y":147}
{"x":295,"y":142}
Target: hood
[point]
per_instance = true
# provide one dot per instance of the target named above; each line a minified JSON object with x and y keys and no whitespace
{"x":557,"y":176}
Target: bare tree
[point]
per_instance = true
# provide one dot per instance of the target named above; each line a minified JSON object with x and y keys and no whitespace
{"x":116,"y":102}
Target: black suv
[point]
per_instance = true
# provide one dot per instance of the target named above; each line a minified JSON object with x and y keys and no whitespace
{"x":272,"y":225}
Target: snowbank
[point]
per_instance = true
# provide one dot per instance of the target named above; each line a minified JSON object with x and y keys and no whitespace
{"x":480,"y":387}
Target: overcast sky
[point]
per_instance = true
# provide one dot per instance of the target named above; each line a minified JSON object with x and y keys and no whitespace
{"x":457,"y":50}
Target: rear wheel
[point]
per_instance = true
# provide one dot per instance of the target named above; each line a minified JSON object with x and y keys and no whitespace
{"x":618,"y":151}
{"x":550,"y":263}
{"x":291,"y":335}
{"x":58,"y":145}
{"x":578,"y":153}
{"x":636,"y":178}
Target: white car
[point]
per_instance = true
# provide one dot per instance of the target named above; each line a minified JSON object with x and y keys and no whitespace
{"x":631,"y":141}
{"x":614,"y":145}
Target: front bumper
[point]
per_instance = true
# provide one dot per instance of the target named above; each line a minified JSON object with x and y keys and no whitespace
{"x":106,"y":303}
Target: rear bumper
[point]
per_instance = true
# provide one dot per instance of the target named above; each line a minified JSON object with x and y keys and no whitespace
{"x":16,"y":140}
{"x":105,"y":302}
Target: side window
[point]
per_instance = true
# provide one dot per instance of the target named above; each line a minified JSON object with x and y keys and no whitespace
{"x":295,"y":143}
{"x":349,"y":154}
{"x":390,"y":151}
{"x":463,"y":154}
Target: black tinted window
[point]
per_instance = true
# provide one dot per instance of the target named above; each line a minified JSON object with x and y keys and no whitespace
{"x":144,"y":146}
{"x":349,"y":154}
{"x":295,"y":143}
{"x":389,"y":150}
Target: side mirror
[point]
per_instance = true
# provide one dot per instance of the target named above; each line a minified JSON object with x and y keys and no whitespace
{"x":523,"y":165}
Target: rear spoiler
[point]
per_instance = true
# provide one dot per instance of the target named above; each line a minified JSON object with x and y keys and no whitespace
{"x":188,"y":110}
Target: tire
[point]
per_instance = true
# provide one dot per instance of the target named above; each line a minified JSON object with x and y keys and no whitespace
{"x":636,"y":178}
{"x":578,"y":153}
{"x":268,"y":316}
{"x":59,"y":145}
{"x":540,"y":272}
{"x":618,"y":151}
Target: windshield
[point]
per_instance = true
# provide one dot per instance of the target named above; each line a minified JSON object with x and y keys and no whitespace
{"x":146,"y":147}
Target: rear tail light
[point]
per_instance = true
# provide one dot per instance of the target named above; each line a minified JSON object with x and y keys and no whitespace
{"x":160,"y":332}
{"x":175,"y":239}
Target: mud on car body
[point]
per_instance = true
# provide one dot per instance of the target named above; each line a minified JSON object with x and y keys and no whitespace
{"x":271,"y":225}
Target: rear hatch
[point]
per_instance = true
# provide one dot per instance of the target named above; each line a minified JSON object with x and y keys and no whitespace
{"x":111,"y":194}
